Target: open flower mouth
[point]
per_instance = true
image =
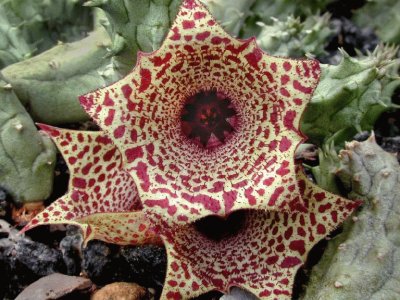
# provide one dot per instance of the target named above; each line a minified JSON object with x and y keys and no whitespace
{"x":208,"y":118}
{"x":216,"y":228}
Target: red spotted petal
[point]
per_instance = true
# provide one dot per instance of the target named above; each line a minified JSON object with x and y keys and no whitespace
{"x":191,"y":155}
{"x":130,"y":228}
{"x":263,"y":257}
{"x":102,"y":197}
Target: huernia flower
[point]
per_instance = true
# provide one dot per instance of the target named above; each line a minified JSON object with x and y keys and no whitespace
{"x":208,"y":124}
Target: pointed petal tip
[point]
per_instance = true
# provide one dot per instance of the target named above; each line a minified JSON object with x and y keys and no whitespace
{"x":48,"y":129}
{"x":86,"y":101}
{"x":190,"y":4}
{"x":25,"y":229}
{"x":43,"y":126}
{"x":356,"y":204}
{"x":31,"y":224}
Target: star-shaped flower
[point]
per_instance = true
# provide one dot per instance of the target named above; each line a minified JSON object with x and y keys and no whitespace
{"x":262,"y":257}
{"x":102,"y":198}
{"x":208,"y":124}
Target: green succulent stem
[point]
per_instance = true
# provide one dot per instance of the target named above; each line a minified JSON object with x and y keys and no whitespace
{"x":351,"y":96}
{"x":363,"y":261}
{"x":295,"y":38}
{"x":49,"y":84}
{"x":27,"y":175}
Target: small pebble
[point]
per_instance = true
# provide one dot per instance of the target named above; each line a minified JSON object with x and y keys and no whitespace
{"x":120,"y":291}
{"x":54,"y":286}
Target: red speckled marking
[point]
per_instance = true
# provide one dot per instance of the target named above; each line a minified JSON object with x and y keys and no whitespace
{"x":262,"y":258}
{"x":102,"y":197}
{"x":198,"y":55}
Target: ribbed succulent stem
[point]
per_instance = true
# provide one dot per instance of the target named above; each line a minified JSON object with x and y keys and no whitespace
{"x":27,"y":158}
{"x":351,"y":96}
{"x":363,"y":262}
{"x":295,"y":38}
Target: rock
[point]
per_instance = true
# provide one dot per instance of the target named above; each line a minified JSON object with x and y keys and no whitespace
{"x":54,"y":286}
{"x":103,"y":264}
{"x":10,"y":284}
{"x":147,"y":264}
{"x":349,"y":37}
{"x":362,"y":136}
{"x":71,"y":249}
{"x":106,"y":263}
{"x":392,"y":145}
{"x":5,"y":230}
{"x":22,"y":261}
{"x":3,"y":203}
{"x":40,"y":259}
{"x":120,"y":291}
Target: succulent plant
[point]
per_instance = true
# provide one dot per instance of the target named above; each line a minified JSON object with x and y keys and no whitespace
{"x":44,"y":22}
{"x":13,"y":46}
{"x":231,"y":14}
{"x":48,"y":84}
{"x":383,"y":16}
{"x":267,"y":10}
{"x":351,"y":96}
{"x":295,"y":38}
{"x":27,"y":157}
{"x":325,"y":173}
{"x":363,"y":261}
{"x":135,"y":26}
{"x":186,"y":137}
{"x":182,"y":133}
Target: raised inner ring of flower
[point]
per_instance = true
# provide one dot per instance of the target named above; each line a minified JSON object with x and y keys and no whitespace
{"x":208,"y":118}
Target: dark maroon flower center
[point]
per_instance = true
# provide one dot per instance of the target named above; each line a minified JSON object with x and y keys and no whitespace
{"x":206,"y":116}
{"x":216,"y":228}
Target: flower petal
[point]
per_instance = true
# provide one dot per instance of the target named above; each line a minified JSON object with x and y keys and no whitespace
{"x":131,"y":228}
{"x":262,"y":258}
{"x":254,"y":167}
{"x":100,"y":191}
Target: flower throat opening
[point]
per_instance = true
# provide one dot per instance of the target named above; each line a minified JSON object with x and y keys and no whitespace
{"x":208,"y":118}
{"x":216,"y":228}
